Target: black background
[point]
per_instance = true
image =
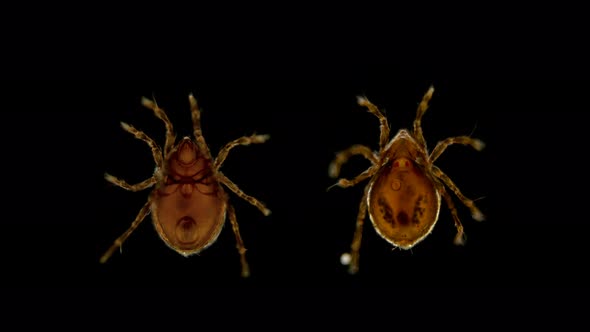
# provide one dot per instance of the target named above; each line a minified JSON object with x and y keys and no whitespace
{"x":516,"y":79}
{"x":63,"y":135}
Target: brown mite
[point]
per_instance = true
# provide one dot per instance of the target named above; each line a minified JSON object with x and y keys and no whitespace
{"x":405,"y":187}
{"x":188,"y":203}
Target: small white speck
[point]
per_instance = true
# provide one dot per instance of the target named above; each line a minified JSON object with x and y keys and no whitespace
{"x":345,"y":259}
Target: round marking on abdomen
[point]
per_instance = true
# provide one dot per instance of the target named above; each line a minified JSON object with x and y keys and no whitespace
{"x":402,"y":218}
{"x":186,"y":230}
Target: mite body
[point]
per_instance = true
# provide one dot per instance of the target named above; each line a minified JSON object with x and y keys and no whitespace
{"x":188,"y":204}
{"x":402,"y":200}
{"x":403,"y":196}
{"x":189,"y":208}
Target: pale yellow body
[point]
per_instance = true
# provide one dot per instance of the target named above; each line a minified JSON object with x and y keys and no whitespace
{"x":403,"y":203}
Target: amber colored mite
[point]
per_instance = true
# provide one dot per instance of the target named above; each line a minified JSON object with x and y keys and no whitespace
{"x":404,"y":190}
{"x":188,"y":204}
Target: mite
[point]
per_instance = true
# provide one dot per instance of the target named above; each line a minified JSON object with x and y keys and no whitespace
{"x":188,"y":204}
{"x":404,"y":191}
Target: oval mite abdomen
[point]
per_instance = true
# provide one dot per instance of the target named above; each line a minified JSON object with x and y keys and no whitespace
{"x":403,"y":204}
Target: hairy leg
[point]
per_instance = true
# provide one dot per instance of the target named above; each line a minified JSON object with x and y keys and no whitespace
{"x":422,"y":107}
{"x":160,"y":114}
{"x":239,"y":242}
{"x":343,"y":156}
{"x":145,"y":210}
{"x":232,"y":186}
{"x":465,"y":140}
{"x":246,"y":140}
{"x":384,"y":126}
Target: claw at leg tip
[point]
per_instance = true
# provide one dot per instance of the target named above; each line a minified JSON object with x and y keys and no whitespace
{"x":146,"y":102}
{"x":459,"y":240}
{"x":362,"y":100}
{"x":109,"y":177}
{"x":479,"y":144}
{"x":192,"y":100}
{"x":478,"y":216}
{"x":261,"y":138}
{"x":332,"y":172}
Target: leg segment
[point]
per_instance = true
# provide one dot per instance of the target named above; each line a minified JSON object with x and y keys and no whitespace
{"x":343,"y":156}
{"x":239,"y":242}
{"x":384,"y":139}
{"x":131,"y":187}
{"x":198,"y":133}
{"x":246,"y":140}
{"x":156,"y":152}
{"x":475,"y":213}
{"x":465,"y":140}
{"x":345,"y":183}
{"x":170,"y":137}
{"x":422,"y":107}
{"x":119,"y":241}
{"x":228,"y":183}
{"x":358,"y":234}
{"x":460,"y":237}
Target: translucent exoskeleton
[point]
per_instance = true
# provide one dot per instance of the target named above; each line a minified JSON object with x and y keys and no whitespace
{"x":188,"y":203}
{"x":405,"y":187}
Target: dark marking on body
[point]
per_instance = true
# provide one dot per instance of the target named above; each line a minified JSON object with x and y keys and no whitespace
{"x":419,"y":210}
{"x":402,"y":218}
{"x":386,"y":210}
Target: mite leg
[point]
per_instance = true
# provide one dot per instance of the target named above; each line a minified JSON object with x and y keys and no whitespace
{"x":228,"y":183}
{"x":384,"y":126}
{"x":239,"y":242}
{"x":170,"y":137}
{"x":119,"y":241}
{"x":345,"y":183}
{"x":465,"y":140}
{"x":156,"y":152}
{"x":460,"y":237}
{"x":132,"y":187}
{"x":343,"y":156}
{"x":246,"y":140}
{"x":198,"y":133}
{"x":352,"y":258}
{"x":422,"y":107}
{"x":475,"y":213}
